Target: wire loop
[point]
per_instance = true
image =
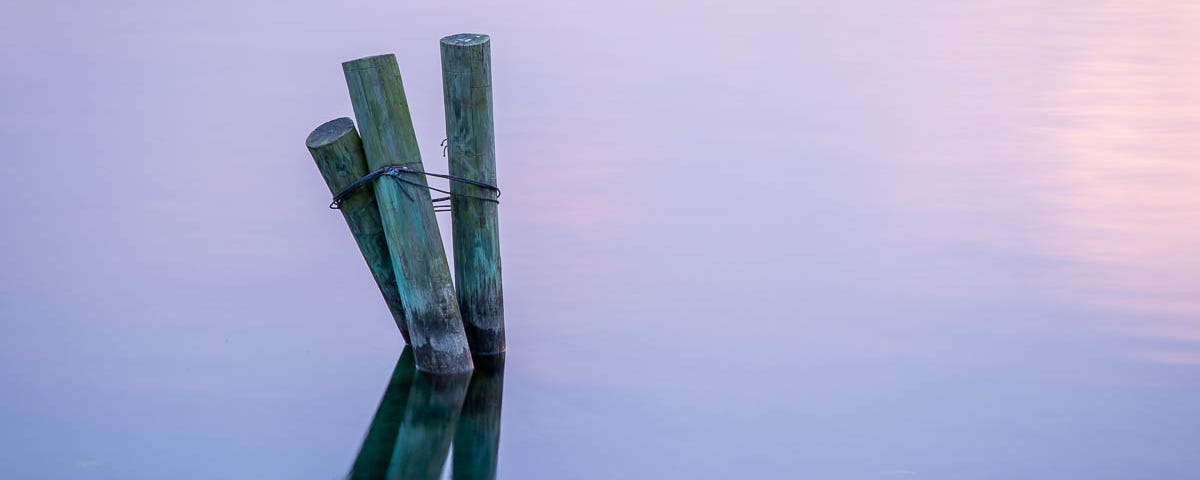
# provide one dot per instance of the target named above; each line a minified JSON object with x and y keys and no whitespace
{"x":398,"y":172}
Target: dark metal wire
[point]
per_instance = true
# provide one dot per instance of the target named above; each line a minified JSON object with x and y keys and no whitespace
{"x":397,"y":172}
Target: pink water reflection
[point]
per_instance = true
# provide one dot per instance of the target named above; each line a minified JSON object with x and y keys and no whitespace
{"x":1122,"y":115}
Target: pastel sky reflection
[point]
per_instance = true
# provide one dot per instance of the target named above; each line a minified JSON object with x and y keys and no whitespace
{"x":765,"y":239}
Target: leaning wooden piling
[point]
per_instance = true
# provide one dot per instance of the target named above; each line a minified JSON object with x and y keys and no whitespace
{"x":422,"y":274}
{"x":337,"y":149}
{"x":467,"y":89}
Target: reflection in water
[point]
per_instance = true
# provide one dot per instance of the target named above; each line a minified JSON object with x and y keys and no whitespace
{"x":1123,"y":127}
{"x":477,"y":440}
{"x":376,"y":452}
{"x":890,"y":230}
{"x":419,"y":417}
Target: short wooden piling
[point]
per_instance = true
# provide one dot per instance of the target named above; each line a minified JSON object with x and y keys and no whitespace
{"x":434,"y":322}
{"x":337,"y":149}
{"x":467,"y":89}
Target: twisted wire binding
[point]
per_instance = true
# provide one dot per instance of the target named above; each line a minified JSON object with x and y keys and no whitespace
{"x":397,"y":171}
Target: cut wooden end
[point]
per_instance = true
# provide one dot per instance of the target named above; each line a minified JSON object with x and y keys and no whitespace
{"x":329,"y":132}
{"x":371,"y":62}
{"x":466,"y":39}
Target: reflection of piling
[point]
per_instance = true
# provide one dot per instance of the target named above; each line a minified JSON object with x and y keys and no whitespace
{"x":380,"y":442}
{"x":434,"y":403}
{"x":421,"y":415}
{"x":422,"y":274}
{"x":337,"y":149}
{"x":467,"y":87}
{"x":477,"y":438}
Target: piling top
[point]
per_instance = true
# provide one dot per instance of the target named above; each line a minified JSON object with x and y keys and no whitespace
{"x":374,"y":61}
{"x":465,"y":39}
{"x":329,"y":132}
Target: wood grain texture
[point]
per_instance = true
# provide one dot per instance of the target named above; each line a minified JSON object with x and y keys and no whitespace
{"x":337,"y":149}
{"x":467,"y":90}
{"x":422,"y":273}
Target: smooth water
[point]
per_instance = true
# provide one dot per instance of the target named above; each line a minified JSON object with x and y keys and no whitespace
{"x":916,"y":239}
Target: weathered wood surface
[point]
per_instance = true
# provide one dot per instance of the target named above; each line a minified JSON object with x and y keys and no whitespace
{"x":337,"y":149}
{"x":477,"y":437}
{"x":375,"y":455}
{"x":467,"y":88}
{"x":434,"y":322}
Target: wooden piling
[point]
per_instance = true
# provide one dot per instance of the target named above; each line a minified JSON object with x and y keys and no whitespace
{"x":434,"y":322}
{"x":337,"y":149}
{"x":467,"y":89}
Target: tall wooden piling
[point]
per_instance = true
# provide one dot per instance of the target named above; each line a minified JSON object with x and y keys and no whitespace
{"x":422,"y":274}
{"x":467,"y":89}
{"x":337,"y":149}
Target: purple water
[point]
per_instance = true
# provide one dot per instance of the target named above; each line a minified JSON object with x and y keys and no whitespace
{"x":927,"y":239}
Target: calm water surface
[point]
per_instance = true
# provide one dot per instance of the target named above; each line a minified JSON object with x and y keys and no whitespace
{"x":924,"y":239}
